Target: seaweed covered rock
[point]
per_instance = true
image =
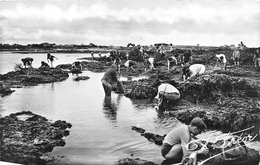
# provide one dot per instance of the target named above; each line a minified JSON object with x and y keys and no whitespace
{"x":96,"y":66}
{"x":33,"y":76}
{"x":147,"y":88}
{"x":215,"y":87}
{"x":135,"y":161}
{"x":27,"y":138}
{"x":140,"y":89}
{"x":221,"y":119}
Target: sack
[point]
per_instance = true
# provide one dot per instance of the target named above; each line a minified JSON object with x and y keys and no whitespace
{"x":235,"y":149}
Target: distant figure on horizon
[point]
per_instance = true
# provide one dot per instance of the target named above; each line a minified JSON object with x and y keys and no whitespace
{"x":27,"y":62}
{"x":257,"y":57}
{"x":222,"y":61}
{"x":236,"y":56}
{"x":92,"y":55}
{"x":99,"y":54}
{"x":51,"y":58}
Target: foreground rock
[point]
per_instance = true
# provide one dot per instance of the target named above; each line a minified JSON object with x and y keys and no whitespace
{"x":27,"y":138}
{"x":131,"y":161}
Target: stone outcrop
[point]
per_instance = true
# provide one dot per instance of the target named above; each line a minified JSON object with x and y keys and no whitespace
{"x":33,"y":76}
{"x":27,"y":138}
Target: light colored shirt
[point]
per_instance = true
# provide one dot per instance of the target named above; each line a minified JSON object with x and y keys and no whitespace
{"x":236,"y":54}
{"x":197,"y":69}
{"x":179,"y":135}
{"x":129,"y":63}
{"x":151,"y":60}
{"x":224,"y":57}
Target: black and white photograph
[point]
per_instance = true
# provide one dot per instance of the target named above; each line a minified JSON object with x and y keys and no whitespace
{"x":129,"y":82}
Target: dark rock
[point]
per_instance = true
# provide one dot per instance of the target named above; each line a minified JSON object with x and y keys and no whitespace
{"x":29,"y":140}
{"x":81,"y":78}
{"x":136,"y":161}
{"x":5,"y":90}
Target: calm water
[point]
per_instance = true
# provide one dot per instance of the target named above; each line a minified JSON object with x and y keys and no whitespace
{"x":101,"y":134}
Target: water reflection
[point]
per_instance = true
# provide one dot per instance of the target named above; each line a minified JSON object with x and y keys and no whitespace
{"x":110,"y":107}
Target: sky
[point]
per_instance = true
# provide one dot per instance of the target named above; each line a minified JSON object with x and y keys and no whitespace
{"x":119,"y":22}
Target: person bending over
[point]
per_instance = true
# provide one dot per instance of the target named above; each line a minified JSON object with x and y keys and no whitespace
{"x":149,"y":63}
{"x":222,"y":61}
{"x":129,"y":64}
{"x":170,"y":62}
{"x":192,"y":70}
{"x":44,"y":65}
{"x":175,"y":142}
{"x":110,"y":80}
{"x":76,"y":65}
{"x":27,"y":62}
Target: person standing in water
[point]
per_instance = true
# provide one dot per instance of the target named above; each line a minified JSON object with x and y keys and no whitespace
{"x":51,"y":58}
{"x":110,"y":80}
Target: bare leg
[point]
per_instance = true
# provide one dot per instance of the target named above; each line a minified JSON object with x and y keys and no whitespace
{"x":175,"y":152}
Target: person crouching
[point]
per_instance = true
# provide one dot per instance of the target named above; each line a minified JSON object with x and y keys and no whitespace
{"x":27,"y":62}
{"x":192,"y":70}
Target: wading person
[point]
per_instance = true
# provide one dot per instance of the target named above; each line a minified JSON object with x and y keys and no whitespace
{"x":174,"y":144}
{"x":110,"y":80}
{"x":27,"y":62}
{"x":189,"y":71}
{"x":222,"y":61}
{"x":236,"y":56}
{"x":51,"y":58}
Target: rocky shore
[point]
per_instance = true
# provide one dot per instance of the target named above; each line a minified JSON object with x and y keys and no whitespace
{"x":28,"y":138}
{"x":227,"y":100}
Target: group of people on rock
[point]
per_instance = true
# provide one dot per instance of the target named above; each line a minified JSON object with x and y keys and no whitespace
{"x":27,"y":62}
